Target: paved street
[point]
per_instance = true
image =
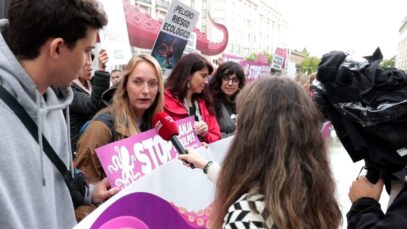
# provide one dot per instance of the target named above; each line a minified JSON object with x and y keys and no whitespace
{"x":345,"y":171}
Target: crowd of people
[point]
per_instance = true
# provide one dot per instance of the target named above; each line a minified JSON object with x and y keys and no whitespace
{"x":276,"y":173}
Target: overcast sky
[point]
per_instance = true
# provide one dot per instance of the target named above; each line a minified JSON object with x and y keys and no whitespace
{"x":356,"y":26}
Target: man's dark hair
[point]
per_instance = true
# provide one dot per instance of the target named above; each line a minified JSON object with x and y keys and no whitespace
{"x":116,"y":70}
{"x":32,"y":23}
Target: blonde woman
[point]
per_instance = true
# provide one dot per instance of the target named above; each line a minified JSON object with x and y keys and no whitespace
{"x":138,"y":97}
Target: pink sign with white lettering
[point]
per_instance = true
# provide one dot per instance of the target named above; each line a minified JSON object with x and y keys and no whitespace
{"x":127,"y":160}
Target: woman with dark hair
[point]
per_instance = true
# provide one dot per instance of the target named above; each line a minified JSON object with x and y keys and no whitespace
{"x":187,"y":94}
{"x":224,"y":86}
{"x":276,"y":173}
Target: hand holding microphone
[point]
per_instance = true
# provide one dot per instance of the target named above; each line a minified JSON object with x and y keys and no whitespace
{"x":193,"y":158}
{"x":168,"y":130}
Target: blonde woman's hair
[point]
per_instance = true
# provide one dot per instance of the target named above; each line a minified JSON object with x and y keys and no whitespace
{"x":124,"y":120}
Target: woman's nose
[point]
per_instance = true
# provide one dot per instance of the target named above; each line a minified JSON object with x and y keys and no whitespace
{"x":146,"y":88}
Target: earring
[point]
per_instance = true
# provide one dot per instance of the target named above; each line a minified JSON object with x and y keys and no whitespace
{"x":188,"y":85}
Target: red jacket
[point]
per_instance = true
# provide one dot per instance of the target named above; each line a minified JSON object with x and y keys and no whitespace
{"x":177,"y":110}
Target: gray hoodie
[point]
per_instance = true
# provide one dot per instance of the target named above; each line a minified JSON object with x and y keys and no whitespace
{"x":33,"y":193}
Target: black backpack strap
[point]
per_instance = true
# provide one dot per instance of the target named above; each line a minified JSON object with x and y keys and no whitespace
{"x":33,"y":129}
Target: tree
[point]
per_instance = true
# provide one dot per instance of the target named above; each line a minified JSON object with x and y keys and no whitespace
{"x":269,"y":56}
{"x":305,"y":52}
{"x":251,"y":57}
{"x":310,"y":64}
{"x":390,"y":63}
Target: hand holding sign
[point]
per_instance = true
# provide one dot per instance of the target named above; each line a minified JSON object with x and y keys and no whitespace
{"x":201,"y":128}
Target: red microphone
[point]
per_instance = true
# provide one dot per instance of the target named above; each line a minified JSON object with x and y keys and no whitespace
{"x":168,"y":130}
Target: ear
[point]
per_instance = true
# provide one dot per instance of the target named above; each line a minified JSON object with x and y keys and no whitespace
{"x":55,"y":47}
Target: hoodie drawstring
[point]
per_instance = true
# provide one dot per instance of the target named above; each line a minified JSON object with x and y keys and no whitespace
{"x":68,"y":124}
{"x":39,"y":121}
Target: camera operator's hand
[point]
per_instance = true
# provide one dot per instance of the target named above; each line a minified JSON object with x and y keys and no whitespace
{"x":363,"y":188}
{"x":103,"y":191}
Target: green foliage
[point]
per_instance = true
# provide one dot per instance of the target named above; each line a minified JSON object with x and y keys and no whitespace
{"x":269,"y":56}
{"x":388,"y":63}
{"x":251,"y":57}
{"x":305,"y":52}
{"x":309,"y":64}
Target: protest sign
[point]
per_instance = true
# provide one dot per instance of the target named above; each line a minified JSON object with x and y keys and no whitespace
{"x":254,"y":70}
{"x":114,"y":37}
{"x":170,"y":196}
{"x":279,"y":59}
{"x":174,"y":34}
{"x":127,"y":160}
{"x":191,"y":44}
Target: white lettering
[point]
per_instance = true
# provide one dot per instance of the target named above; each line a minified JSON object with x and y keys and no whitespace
{"x":161,"y":150}
{"x":143,"y":158}
{"x":185,"y":128}
{"x":149,"y":144}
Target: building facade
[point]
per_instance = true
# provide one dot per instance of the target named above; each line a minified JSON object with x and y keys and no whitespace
{"x":254,"y":26}
{"x":401,"y":57}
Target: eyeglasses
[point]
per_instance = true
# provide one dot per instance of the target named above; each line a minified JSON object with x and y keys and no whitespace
{"x":234,"y":80}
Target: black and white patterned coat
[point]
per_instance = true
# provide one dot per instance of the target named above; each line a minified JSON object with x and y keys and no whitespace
{"x":247,"y":213}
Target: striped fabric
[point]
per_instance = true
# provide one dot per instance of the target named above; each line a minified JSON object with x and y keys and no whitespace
{"x":241,"y":216}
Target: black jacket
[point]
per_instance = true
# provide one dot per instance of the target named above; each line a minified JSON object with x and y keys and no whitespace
{"x":84,"y":105}
{"x":366,"y":213}
{"x":226,"y":116}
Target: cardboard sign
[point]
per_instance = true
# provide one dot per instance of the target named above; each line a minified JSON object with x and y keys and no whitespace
{"x":174,"y":34}
{"x":114,"y":36}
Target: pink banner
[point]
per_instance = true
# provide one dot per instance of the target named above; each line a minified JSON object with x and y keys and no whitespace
{"x":262,"y":58}
{"x":171,"y":196}
{"x":230,"y":57}
{"x":254,"y":70}
{"x":127,"y":160}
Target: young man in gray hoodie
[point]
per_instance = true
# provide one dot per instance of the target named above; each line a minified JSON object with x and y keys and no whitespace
{"x":43,"y":46}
